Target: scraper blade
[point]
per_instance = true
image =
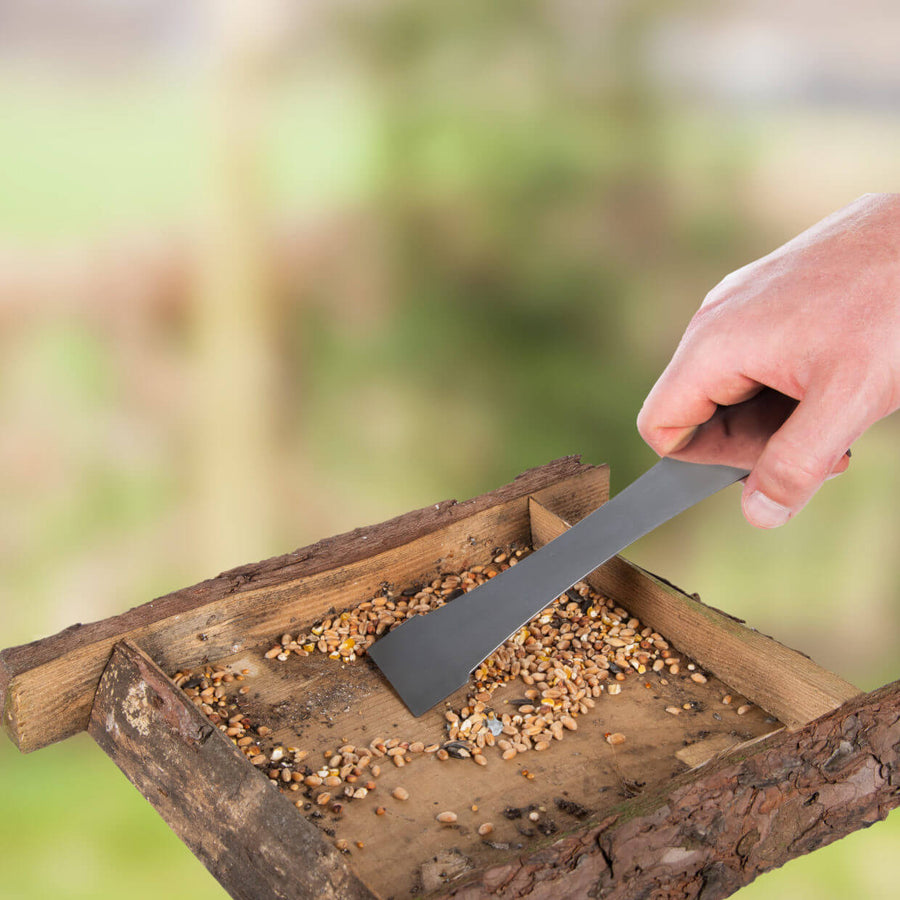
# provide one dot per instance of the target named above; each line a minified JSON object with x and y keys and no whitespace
{"x":429,"y":656}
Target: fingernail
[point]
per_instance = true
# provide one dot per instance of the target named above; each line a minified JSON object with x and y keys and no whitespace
{"x":834,"y":475}
{"x":679,"y":440}
{"x":764,"y":512}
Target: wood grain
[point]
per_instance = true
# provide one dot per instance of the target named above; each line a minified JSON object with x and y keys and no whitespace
{"x":309,"y":701}
{"x":47,"y":686}
{"x":248,"y":835}
{"x":782,"y":681}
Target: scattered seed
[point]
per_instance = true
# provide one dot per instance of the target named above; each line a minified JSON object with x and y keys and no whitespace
{"x":615,"y":738}
{"x":743,"y":710}
{"x":447,"y":818}
{"x":673,"y":710}
{"x":573,"y":651}
{"x":400,"y":793}
{"x":485,"y":828}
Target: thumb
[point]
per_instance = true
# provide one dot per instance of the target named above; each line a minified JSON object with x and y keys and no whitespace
{"x":808,"y":448}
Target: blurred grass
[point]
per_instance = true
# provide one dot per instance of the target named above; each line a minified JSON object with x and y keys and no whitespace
{"x":131,"y":154}
{"x":134,"y":149}
{"x":542,"y":262}
{"x":72,"y":826}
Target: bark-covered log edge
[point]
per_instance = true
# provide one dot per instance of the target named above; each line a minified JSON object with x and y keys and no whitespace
{"x":713,"y":830}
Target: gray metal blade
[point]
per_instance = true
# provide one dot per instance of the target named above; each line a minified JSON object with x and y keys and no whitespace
{"x":429,"y":656}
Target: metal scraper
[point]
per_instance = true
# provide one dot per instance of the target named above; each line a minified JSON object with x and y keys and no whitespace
{"x":429,"y":656}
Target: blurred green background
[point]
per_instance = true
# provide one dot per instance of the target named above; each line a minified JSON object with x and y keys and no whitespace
{"x":271,"y":271}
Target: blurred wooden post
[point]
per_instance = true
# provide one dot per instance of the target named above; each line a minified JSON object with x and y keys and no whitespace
{"x":234,"y":408}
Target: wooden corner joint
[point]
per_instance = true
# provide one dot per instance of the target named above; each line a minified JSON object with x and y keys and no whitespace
{"x":148,"y":696}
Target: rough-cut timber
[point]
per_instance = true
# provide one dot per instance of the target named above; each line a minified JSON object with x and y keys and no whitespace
{"x":46,"y":687}
{"x":713,"y":830}
{"x":243,"y":830}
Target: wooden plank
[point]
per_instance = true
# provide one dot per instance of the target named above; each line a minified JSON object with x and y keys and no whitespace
{"x":242,"y":829}
{"x":711,"y":831}
{"x":782,"y":681}
{"x":47,"y":686}
{"x":309,"y":701}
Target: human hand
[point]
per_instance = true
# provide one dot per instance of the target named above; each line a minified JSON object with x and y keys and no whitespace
{"x":810,"y":336}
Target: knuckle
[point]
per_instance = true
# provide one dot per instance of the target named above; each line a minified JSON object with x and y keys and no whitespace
{"x":795,"y":473}
{"x":709,"y":316}
{"x":725,"y":289}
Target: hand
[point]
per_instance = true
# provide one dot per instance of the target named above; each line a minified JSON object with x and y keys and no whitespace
{"x":817,"y":323}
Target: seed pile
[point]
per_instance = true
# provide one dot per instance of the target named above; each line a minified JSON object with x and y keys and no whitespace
{"x":208,"y":688}
{"x":580,"y":647}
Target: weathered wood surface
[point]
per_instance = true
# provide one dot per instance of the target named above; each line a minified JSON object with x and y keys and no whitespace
{"x":47,"y":686}
{"x":309,"y":701}
{"x":782,"y":681}
{"x":713,"y":830}
{"x":244,"y":831}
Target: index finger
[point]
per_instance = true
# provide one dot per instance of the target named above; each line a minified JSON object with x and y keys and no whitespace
{"x":686,"y":396}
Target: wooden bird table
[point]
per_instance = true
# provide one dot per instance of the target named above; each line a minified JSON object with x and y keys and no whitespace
{"x":661,"y":791}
